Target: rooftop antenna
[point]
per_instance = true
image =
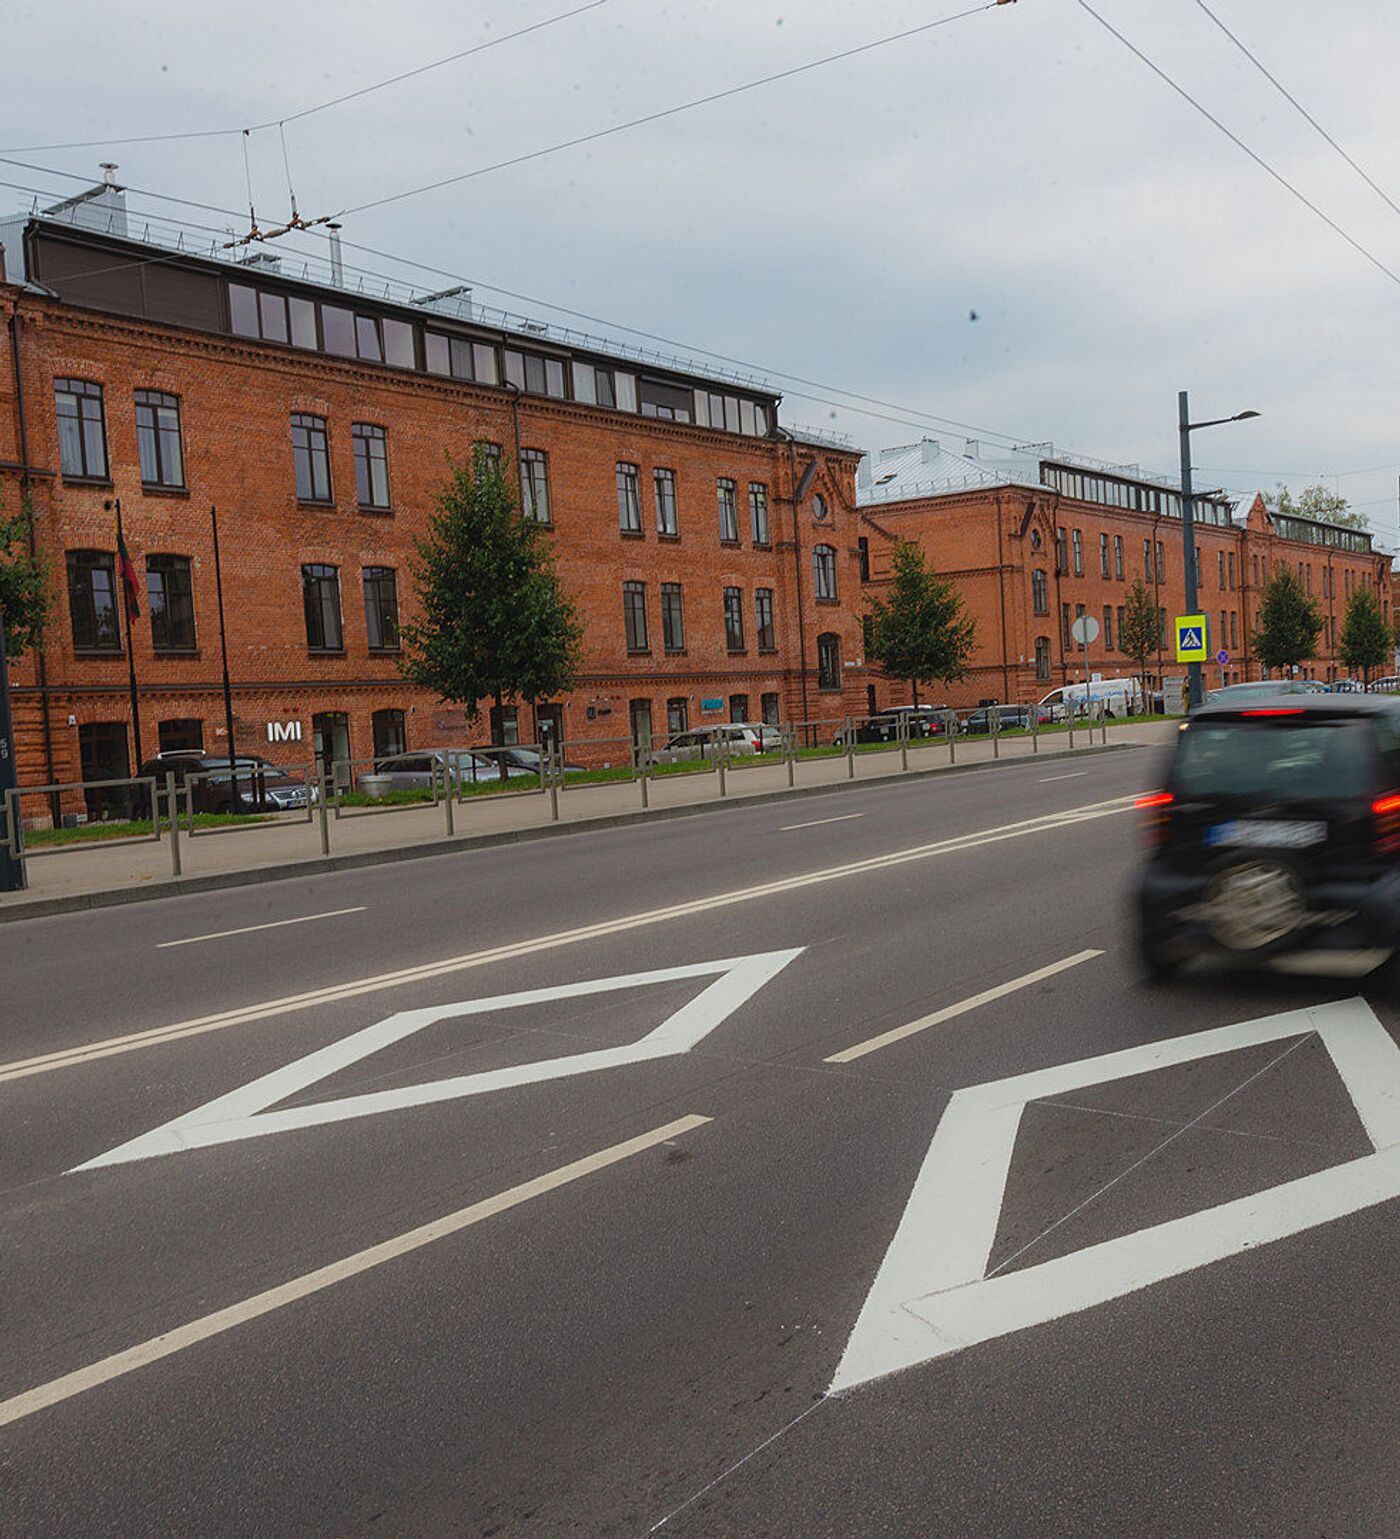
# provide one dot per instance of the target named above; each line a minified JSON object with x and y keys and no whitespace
{"x":109,"y":172}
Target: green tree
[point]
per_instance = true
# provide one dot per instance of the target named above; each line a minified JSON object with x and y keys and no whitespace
{"x":1289,"y":622}
{"x":1366,"y":642}
{"x":1139,"y":630}
{"x":921,"y":631}
{"x":1316,"y":502}
{"x":495,"y":618}
{"x":24,"y":583}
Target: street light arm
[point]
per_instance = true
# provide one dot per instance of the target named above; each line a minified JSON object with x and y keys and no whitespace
{"x":1242,"y":416}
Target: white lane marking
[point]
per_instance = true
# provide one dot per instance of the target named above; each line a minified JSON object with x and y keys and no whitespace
{"x":172,"y":1341}
{"x":243,"y":1113}
{"x":272,"y":924}
{"x":845,"y":817}
{"x":1050,"y":779}
{"x":931,"y":1295}
{"x":333,"y":993}
{"x":948,"y":1012}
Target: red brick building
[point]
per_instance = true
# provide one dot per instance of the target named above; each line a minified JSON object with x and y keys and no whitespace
{"x":1035,"y":539}
{"x":320,"y":422}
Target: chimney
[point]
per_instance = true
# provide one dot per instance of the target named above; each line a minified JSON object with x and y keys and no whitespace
{"x":971,"y":448}
{"x":929,"y":451}
{"x":337,"y":263}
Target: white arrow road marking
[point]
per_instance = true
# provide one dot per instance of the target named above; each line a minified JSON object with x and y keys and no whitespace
{"x":195,"y":1331}
{"x":931,"y":1295}
{"x":243,"y":1113}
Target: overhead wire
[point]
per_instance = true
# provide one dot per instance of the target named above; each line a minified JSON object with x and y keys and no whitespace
{"x":1235,"y":139}
{"x":305,"y":112}
{"x":1289,"y":97}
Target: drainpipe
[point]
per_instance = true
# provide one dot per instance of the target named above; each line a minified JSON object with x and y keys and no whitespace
{"x":797,"y":557}
{"x":1001,"y":600}
{"x":515,"y":412}
{"x":27,"y":503}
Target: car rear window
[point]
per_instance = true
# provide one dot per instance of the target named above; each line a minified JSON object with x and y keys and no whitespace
{"x":1284,"y":760}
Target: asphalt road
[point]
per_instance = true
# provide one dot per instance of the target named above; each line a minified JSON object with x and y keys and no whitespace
{"x":591,"y":1188}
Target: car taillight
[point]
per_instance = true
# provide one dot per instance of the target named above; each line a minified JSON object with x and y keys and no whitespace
{"x":1386,"y":812}
{"x":1156,"y":810}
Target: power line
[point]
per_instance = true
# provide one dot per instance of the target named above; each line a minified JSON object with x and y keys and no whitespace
{"x":1235,"y":139}
{"x":306,"y":112}
{"x":668,"y":112}
{"x":1293,"y":101}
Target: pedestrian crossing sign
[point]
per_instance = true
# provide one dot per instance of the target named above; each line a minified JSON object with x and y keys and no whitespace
{"x":1191,"y":638}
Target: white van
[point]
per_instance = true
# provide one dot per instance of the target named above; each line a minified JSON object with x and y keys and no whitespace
{"x":1119,"y":697}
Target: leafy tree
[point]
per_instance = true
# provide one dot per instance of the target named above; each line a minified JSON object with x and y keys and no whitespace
{"x":920,"y":632}
{"x":1139,"y":629}
{"x":24,"y":583}
{"x":496,"y":620}
{"x":1366,"y":642}
{"x":1316,"y":502}
{"x":1289,"y":622}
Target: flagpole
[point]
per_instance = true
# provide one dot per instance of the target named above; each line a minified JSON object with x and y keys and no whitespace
{"x":223,"y":649}
{"x":130,"y":647}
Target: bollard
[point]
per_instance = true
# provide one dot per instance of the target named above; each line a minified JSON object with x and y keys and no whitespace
{"x":551,"y":764}
{"x":719,"y":765}
{"x":322,"y":791}
{"x":994,"y":721}
{"x":952,"y":720}
{"x":173,"y":807}
{"x":902,"y":727}
{"x":1069,"y":707}
{"x":643,"y":762}
{"x":1035,"y":729}
{"x":848,"y":732}
{"x":790,"y":752}
{"x":447,"y":796}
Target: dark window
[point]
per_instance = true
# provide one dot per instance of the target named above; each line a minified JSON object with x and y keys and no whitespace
{"x":320,"y":592}
{"x":505,"y":725}
{"x":768,"y":709}
{"x":158,"y":438}
{"x":338,"y":329}
{"x":390,"y":736}
{"x":1040,"y":592}
{"x":607,"y":396}
{"x":828,"y":661}
{"x":92,"y":600}
{"x":758,"y":512}
{"x":1066,"y":620}
{"x":1220,"y":569}
{"x":1147,"y":559}
{"x":1078,"y":538}
{"x":629,"y":502}
{"x":1235,"y":630}
{"x":763,"y":619}
{"x":824,"y":571}
{"x":1104,"y":567}
{"x":549,"y":724}
{"x":1042,"y":657}
{"x":1061,"y":558}
{"x":1118,"y":556}
{"x":311,"y":456}
{"x":382,"y":608}
{"x":672,"y":402}
{"x":486,"y":450}
{"x":534,"y":485}
{"x":103,"y":755}
{"x":666,"y":520}
{"x":672,"y":617}
{"x":1108,"y":627}
{"x":634,"y":615}
{"x":677,"y":714}
{"x":179,"y":733}
{"x":371,"y":446}
{"x":738,"y":707}
{"x":82,"y":434}
{"x":863,"y":547}
{"x":170,"y":594}
{"x":734,"y":619}
{"x":1161,"y":563}
{"x":728,"y":511}
{"x":367,"y":338}
{"x":330,"y":739}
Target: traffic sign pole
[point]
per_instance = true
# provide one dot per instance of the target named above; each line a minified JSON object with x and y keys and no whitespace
{"x":1188,"y":536}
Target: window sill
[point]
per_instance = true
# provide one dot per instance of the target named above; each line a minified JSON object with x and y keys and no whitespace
{"x":325,"y":651}
{"x":320,"y":503}
{"x":639,"y":651}
{"x":377,"y":512}
{"x":675,"y":651}
{"x":176,"y":652}
{"x":738,"y":651}
{"x":832,"y":601}
{"x":763,"y":545}
{"x":631,"y":534}
{"x":829,"y":689}
{"x":385,"y":652}
{"x":671,"y":539}
{"x":729,"y":544}
{"x":89,"y":483}
{"x":156,"y":489}
{"x":768,"y":651}
{"x":96,"y":652}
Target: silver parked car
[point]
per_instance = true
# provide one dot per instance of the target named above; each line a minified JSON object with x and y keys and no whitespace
{"x":420,"y":770}
{"x":738,"y":739}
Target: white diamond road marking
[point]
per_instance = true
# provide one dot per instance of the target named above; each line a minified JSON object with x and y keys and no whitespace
{"x":931,"y":1296}
{"x":243,"y":1113}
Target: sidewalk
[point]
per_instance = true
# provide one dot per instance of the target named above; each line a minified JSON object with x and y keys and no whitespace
{"x":96,"y":875}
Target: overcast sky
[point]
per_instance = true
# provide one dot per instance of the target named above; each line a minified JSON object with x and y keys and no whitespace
{"x":843,"y":225}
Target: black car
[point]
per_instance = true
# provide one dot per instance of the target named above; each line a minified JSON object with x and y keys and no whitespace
{"x":255,"y":785}
{"x":1277,"y":829}
{"x":918,"y":721}
{"x":1010,"y":718}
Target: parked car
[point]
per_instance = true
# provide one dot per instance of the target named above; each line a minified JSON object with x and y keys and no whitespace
{"x":1346,"y":687}
{"x":525,"y":760}
{"x":1009,"y":718}
{"x":738,"y":739}
{"x":1118,"y":697}
{"x":420,"y":770}
{"x":1258,"y":689}
{"x":1389,"y":685}
{"x":254,"y":785}
{"x":1276,"y":830}
{"x":920,"y":721}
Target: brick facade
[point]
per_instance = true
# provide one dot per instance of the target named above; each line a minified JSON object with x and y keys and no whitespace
{"x":236,"y":399}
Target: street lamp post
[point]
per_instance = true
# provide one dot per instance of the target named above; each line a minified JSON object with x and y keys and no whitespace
{"x":1185,"y":428}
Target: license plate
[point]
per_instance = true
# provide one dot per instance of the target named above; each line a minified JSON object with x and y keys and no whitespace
{"x":1267,"y":835}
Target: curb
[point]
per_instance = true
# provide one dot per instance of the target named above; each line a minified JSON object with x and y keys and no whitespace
{"x":317,"y":864}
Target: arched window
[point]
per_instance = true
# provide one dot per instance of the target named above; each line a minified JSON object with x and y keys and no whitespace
{"x":1040,"y":592}
{"x":824,"y":571}
{"x":1042,"y":657}
{"x":828,"y":660}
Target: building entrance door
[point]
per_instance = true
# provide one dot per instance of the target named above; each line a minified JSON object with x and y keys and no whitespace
{"x":330,"y":734}
{"x":103,"y":755}
{"x":640,"y":711}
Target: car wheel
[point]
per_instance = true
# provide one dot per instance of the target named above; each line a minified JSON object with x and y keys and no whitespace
{"x":1160,"y":965}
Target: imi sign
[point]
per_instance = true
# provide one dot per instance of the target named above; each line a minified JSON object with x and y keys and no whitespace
{"x":284,"y":732}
